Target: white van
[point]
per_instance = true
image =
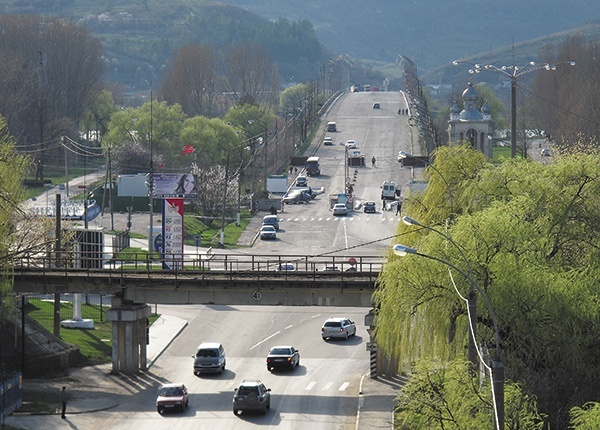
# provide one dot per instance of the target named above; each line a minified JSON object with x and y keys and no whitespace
{"x":331,"y":126}
{"x":388,"y":190}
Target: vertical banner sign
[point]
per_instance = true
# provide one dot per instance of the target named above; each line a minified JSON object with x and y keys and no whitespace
{"x":172,"y":233}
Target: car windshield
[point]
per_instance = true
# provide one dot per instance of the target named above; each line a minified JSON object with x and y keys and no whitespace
{"x":207,"y":353}
{"x":171,"y":391}
{"x":245,"y":390}
{"x":281,"y":351}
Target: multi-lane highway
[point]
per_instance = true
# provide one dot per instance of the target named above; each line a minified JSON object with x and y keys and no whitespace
{"x":311,"y":228}
{"x":322,"y":393}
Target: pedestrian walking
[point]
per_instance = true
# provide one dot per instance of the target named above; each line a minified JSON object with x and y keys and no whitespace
{"x":373,"y":161}
{"x":398,"y":208}
{"x":63,"y":401}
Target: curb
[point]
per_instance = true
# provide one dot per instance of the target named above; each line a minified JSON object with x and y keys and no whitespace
{"x":166,"y":345}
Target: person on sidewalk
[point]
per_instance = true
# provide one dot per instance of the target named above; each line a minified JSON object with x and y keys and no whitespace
{"x":63,"y":401}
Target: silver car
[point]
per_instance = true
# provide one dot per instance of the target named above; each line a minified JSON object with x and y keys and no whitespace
{"x":268,"y":232}
{"x":338,"y":327}
{"x":209,"y":358}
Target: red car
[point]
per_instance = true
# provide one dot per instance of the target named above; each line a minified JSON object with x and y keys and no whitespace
{"x":172,"y":397}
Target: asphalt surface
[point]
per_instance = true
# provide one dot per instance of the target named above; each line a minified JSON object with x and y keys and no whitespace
{"x":94,"y":389}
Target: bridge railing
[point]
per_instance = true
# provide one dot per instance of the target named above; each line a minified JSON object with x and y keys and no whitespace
{"x":189,"y":262}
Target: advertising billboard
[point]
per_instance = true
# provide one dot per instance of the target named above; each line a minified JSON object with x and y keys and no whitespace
{"x":172,"y":234}
{"x":175,"y":185}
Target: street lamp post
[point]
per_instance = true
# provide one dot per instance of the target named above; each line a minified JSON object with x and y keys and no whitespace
{"x":498,"y":363}
{"x":513,"y":73}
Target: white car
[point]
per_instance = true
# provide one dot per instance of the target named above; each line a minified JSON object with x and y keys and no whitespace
{"x":268,"y":232}
{"x":286,"y":267}
{"x":338,"y":327}
{"x":351,"y":144}
{"x":340,"y":209}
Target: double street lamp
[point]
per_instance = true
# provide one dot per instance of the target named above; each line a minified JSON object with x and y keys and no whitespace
{"x":497,"y":369}
{"x":513,"y":73}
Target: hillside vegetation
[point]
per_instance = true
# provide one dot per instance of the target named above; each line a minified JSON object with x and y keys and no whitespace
{"x":140,"y":35}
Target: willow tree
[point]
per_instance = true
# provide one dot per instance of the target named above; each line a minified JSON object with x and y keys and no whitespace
{"x":13,"y":169}
{"x":529,"y":233}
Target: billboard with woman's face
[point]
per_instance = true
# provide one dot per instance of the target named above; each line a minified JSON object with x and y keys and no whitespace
{"x":175,"y":185}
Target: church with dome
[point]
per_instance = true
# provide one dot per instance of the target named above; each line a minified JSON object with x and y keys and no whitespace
{"x":471,"y":125}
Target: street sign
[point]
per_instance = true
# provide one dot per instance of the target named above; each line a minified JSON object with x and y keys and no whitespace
{"x":257,"y":296}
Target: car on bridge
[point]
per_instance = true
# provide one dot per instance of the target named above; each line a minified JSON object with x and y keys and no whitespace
{"x":283,"y":357}
{"x":286,"y":267}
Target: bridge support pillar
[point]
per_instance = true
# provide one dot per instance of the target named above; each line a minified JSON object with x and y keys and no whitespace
{"x":128,"y":335}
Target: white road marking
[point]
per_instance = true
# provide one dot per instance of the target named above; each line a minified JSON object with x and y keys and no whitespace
{"x":264,"y":340}
{"x":343,"y":386}
{"x":310,"y":386}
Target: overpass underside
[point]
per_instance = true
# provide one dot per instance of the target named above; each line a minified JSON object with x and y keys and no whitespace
{"x":231,"y":288}
{"x":132,"y":291}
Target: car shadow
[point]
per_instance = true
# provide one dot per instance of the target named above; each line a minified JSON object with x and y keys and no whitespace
{"x":299,"y":371}
{"x":351,"y":341}
{"x":227,"y":374}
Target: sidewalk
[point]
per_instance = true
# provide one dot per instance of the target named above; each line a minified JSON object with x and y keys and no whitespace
{"x":94,"y":388}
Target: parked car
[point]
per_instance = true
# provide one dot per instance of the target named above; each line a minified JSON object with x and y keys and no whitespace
{"x":286,"y":267}
{"x":271,"y":220}
{"x":338,"y":327}
{"x":369,"y":207}
{"x":376,"y":106}
{"x":351,"y":144}
{"x":296,"y":196}
{"x":301,"y":181}
{"x":251,"y":395}
{"x":209,"y":358}
{"x":283,"y":357}
{"x":545,"y":152}
{"x":172,"y":397}
{"x":340,"y":209}
{"x":268,"y":232}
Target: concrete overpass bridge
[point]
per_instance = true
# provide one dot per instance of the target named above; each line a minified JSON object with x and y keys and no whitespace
{"x":219,"y":279}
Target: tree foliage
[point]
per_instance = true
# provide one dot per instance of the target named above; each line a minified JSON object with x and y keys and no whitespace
{"x":566,"y":99}
{"x":193,"y":81}
{"x":50,"y":69}
{"x":528,"y":233}
{"x":13,"y":169}
{"x":154,"y":125}
{"x":448,"y":396}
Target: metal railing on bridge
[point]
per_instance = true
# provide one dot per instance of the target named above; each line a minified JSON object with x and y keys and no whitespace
{"x":104,"y":274}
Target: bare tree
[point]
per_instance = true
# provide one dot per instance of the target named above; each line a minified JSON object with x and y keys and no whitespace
{"x":52,"y":68}
{"x":193,"y":81}
{"x":251,"y":76}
